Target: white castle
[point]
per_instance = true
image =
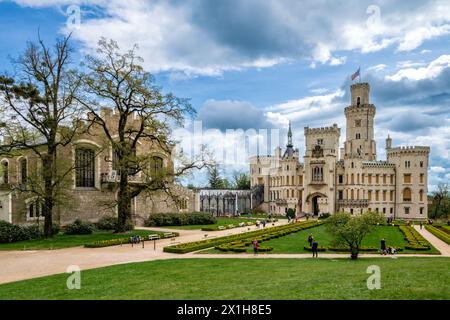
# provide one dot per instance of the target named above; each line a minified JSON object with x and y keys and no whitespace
{"x":349,"y":179}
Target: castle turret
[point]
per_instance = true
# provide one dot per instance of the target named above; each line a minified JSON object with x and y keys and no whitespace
{"x":388,"y":143}
{"x":360,"y":116}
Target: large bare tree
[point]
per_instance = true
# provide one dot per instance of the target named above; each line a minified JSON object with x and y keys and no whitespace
{"x":117,"y":80}
{"x":39,"y":114}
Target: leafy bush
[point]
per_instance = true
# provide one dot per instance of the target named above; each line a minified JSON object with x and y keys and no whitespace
{"x":106,"y":223}
{"x":179,"y":219}
{"x":325,"y":215}
{"x":13,"y":233}
{"x":55,"y":228}
{"x":79,"y":227}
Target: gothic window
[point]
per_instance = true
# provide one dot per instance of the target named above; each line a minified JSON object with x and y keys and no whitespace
{"x":358,"y":136}
{"x":85,"y":167}
{"x":23,"y":170}
{"x":406,"y":210}
{"x":341,"y":195}
{"x":341,"y":179}
{"x":407,"y":194}
{"x":4,"y":178}
{"x":156,"y":165}
{"x":421,"y":178}
{"x":319,"y":141}
{"x":421,"y":210}
{"x":407,"y":164}
{"x":358,"y":101}
{"x":317,"y":174}
{"x":421,"y":164}
{"x":34,"y":210}
{"x":421,"y":195}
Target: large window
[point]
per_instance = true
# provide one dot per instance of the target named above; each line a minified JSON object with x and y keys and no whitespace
{"x":317,"y":174}
{"x":85,"y":168}
{"x":23,"y":170}
{"x":156,"y":165}
{"x":407,"y":178}
{"x":407,"y":194}
{"x":4,"y":174}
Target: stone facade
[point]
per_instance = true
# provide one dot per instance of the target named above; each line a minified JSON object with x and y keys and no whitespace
{"x":93,"y":201}
{"x":348,"y":179}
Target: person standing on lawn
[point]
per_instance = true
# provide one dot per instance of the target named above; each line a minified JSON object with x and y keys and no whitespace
{"x":255,"y":246}
{"x":383,"y":246}
{"x":310,"y":240}
{"x":315,"y":249}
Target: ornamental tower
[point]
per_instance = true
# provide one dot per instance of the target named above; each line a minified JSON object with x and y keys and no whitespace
{"x":360,"y":116}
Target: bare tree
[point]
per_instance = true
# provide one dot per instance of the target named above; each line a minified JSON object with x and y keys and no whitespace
{"x":117,"y":80}
{"x":40,"y":114}
{"x":440,"y":196}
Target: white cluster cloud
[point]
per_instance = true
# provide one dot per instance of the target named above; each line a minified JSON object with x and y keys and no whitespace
{"x":205,"y":37}
{"x":431,"y":71}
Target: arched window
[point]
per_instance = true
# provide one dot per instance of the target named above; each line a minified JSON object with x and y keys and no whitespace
{"x":23,"y":167}
{"x":421,"y":195}
{"x":358,"y":101}
{"x":4,"y":172}
{"x":407,"y":194}
{"x":156,"y":165}
{"x":85,"y":168}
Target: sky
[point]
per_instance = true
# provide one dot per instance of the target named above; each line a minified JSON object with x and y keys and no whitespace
{"x":258,"y":65}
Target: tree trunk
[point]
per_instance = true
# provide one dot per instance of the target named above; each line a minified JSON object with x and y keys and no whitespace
{"x":47,"y":166}
{"x":123,"y":203}
{"x":354,"y":253}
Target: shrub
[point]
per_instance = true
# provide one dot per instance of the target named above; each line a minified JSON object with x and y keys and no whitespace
{"x":415,"y":239}
{"x":179,"y":219}
{"x":13,"y":233}
{"x":323,"y":216}
{"x":79,"y":227}
{"x":106,"y":223}
{"x":55,"y":228}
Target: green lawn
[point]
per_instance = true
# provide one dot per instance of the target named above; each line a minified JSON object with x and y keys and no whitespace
{"x":401,"y":278}
{"x":66,"y":241}
{"x":221,"y":221}
{"x":295,"y":242}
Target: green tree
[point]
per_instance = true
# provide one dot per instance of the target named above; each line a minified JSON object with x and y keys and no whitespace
{"x":241,"y":181}
{"x":441,"y":201}
{"x":349,"y":230}
{"x":117,"y":80}
{"x":214,"y":178}
{"x":40,"y":114}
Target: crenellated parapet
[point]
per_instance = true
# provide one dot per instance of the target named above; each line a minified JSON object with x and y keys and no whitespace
{"x":323,"y":130}
{"x":408,"y":150}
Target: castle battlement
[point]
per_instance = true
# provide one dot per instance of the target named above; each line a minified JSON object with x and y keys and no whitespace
{"x":378,"y":164}
{"x":323,"y":130}
{"x":408,"y":150}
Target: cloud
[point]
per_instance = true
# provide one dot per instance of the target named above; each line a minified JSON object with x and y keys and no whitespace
{"x":231,"y":114}
{"x":377,"y":68}
{"x":433,"y":70}
{"x":201,"y":37}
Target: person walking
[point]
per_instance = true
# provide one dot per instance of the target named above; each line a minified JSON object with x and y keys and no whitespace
{"x":315,"y":249}
{"x":383,"y":246}
{"x":421,"y":225}
{"x":255,"y":246}
{"x":310,"y":240}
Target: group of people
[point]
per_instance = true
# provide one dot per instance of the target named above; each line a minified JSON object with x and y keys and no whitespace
{"x":135,"y":239}
{"x":386,"y":250}
{"x":259,"y":223}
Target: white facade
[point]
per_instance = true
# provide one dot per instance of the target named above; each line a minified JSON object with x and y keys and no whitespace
{"x":351,"y":180}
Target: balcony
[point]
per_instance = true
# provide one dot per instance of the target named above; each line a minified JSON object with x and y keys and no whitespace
{"x":353,"y":203}
{"x":112,"y":177}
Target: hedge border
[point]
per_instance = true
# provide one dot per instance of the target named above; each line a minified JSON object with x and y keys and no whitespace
{"x":438,"y":233}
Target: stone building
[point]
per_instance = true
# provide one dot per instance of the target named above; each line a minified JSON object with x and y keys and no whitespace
{"x":350,"y":179}
{"x":90,"y":189}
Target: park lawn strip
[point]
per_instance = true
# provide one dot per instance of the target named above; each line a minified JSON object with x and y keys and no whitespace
{"x":296,"y":242}
{"x":257,"y":279}
{"x":61,"y":240}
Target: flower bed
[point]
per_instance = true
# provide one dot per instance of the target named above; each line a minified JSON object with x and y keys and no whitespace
{"x":243,"y":239}
{"x":441,"y":234}
{"x":415,"y":240}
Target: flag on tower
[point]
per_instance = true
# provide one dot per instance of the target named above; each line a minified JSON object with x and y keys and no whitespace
{"x":356,"y":74}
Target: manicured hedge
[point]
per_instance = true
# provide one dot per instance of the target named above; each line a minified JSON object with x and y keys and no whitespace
{"x":110,"y":223}
{"x":119,"y":241}
{"x":439,"y":233}
{"x":415,"y":239}
{"x":12,"y":233}
{"x":344,"y":249}
{"x":248,"y":237}
{"x":179,"y":219}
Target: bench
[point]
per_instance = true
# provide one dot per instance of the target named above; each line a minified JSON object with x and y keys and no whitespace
{"x":169,"y":234}
{"x":154,"y":237}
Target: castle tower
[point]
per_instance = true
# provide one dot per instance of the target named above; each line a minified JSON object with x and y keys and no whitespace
{"x":360,"y":116}
{"x":388,"y":143}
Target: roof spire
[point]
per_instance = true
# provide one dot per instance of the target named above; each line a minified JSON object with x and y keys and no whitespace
{"x":289,"y":144}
